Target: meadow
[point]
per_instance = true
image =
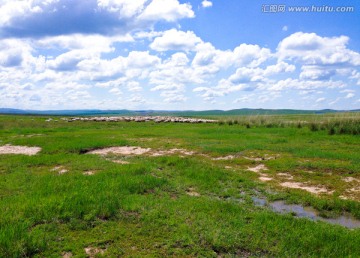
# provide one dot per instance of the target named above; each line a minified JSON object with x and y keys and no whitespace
{"x":193,"y":193}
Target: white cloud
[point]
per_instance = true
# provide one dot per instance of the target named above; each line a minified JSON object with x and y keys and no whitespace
{"x":176,"y":40}
{"x":250,"y":55}
{"x":116,"y":91}
{"x":127,"y":8}
{"x":310,"y":72}
{"x":296,"y":84}
{"x":14,"y":52}
{"x":350,"y":95}
{"x":311,"y":49}
{"x":141,"y":59}
{"x":168,"y":10}
{"x":285,"y":28}
{"x":32,"y":18}
{"x":206,"y":4}
{"x":320,"y":100}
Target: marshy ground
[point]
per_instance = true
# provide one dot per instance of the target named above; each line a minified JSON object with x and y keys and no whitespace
{"x":87,"y":189}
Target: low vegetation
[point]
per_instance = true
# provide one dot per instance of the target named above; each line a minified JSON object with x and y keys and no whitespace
{"x":338,"y":123}
{"x":190,"y":194}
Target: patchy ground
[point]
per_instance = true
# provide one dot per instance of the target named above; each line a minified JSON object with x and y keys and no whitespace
{"x":134,"y":150}
{"x":25,"y":150}
{"x":280,"y":179}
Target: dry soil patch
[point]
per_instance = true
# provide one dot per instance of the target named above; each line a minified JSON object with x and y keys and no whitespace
{"x":60,"y":169}
{"x":11,"y":149}
{"x":191,"y":192}
{"x":93,"y":251}
{"x":310,"y":189}
{"x":258,"y":168}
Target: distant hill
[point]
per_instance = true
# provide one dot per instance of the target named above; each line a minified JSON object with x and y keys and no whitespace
{"x":125,"y":112}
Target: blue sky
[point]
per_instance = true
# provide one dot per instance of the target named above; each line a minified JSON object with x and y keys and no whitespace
{"x":179,"y":55}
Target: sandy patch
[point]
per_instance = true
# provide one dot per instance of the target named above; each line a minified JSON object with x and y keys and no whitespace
{"x":11,"y":149}
{"x":286,"y":175}
{"x":191,"y":191}
{"x":123,"y":150}
{"x":89,"y":173}
{"x":264,"y":178}
{"x":355,"y":189}
{"x":228,"y":167}
{"x":258,"y":168}
{"x":350,"y":179}
{"x":67,"y":255}
{"x":265,"y":157}
{"x":229,"y":157}
{"x":171,"y":152}
{"x":122,"y":162}
{"x":310,"y":189}
{"x":93,"y":251}
{"x":60,"y":169}
{"x":33,"y":135}
{"x":133,"y":150}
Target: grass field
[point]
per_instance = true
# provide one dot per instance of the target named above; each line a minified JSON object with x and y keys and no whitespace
{"x":196,"y":201}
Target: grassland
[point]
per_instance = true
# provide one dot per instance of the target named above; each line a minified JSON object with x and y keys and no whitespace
{"x":197,"y":205}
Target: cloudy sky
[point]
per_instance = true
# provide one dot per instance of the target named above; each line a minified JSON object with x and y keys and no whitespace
{"x":179,"y":55}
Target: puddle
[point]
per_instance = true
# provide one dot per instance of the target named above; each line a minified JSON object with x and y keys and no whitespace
{"x":307,"y":212}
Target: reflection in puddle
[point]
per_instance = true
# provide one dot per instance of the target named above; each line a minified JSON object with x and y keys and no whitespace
{"x":307,"y":212}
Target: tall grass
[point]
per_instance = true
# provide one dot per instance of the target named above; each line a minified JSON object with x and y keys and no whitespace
{"x":342,"y":123}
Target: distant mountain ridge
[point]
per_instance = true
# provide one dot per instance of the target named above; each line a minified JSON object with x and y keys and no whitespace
{"x":125,"y":112}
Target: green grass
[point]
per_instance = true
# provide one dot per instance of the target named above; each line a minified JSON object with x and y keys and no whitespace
{"x":143,"y":209}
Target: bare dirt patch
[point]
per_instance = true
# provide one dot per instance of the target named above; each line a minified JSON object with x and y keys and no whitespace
{"x":135,"y":151}
{"x":229,"y":157}
{"x":286,"y":175}
{"x":350,"y":179}
{"x":258,"y":168}
{"x":192,"y":192}
{"x":123,"y":150}
{"x":67,"y":255}
{"x":261,"y":158}
{"x":171,"y":152}
{"x":310,"y":189}
{"x":89,"y":173}
{"x":11,"y":149}
{"x":93,"y":251}
{"x":60,"y":169}
{"x":263,"y":177}
{"x":122,"y":162}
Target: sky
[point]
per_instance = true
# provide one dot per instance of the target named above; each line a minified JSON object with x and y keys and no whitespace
{"x":179,"y":55}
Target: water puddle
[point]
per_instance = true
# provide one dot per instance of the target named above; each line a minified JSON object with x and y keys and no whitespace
{"x":307,"y":212}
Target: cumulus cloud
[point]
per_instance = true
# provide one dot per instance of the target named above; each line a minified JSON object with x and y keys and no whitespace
{"x":176,"y":40}
{"x":168,"y":10}
{"x":206,"y":4}
{"x":297,"y":84}
{"x":14,"y":52}
{"x":320,"y":100}
{"x":350,"y":95}
{"x":28,"y":18}
{"x":311,"y":49}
